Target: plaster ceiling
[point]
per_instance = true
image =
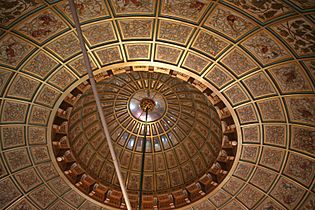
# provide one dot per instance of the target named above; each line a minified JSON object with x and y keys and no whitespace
{"x":255,"y":56}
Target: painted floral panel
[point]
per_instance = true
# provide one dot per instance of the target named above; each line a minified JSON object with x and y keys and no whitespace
{"x":136,"y":28}
{"x":262,"y":10}
{"x":288,"y":193}
{"x":174,"y":31}
{"x":301,"y":108}
{"x":168,"y":54}
{"x":196,"y":63}
{"x":13,"y":50}
{"x":138,"y":51}
{"x":186,"y":9}
{"x":238,"y":62}
{"x":65,"y":46}
{"x":304,"y":4}
{"x":86,"y":9}
{"x":40,"y":65}
{"x":11,"y":10}
{"x":42,"y":26}
{"x":99,"y":33}
{"x":209,"y":43}
{"x":299,"y":34}
{"x":291,"y":78}
{"x":300,"y":168}
{"x":265,"y":48}
{"x":229,"y":22}
{"x":133,"y":6}
{"x":303,"y":139}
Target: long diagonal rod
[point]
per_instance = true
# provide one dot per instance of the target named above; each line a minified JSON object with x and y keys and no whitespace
{"x":143,"y":157}
{"x":98,"y":103}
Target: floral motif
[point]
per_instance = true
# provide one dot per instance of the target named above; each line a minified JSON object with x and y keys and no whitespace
{"x":8,"y":193}
{"x":259,"y":85}
{"x":262,"y":10}
{"x":251,"y":134}
{"x":303,"y":139}
{"x":40,"y":154}
{"x":304,"y":4}
{"x":23,"y":87}
{"x":59,"y":185}
{"x":78,"y":65}
{"x":11,"y":10}
{"x":14,"y":112}
{"x":133,"y":6}
{"x":40,"y":65}
{"x":287,"y":193}
{"x":209,"y":44}
{"x":250,"y":153}
{"x":39,"y":115}
{"x":109,"y":55}
{"x":218,"y":76}
{"x":196,"y":63}
{"x":243,"y":170}
{"x":246,"y":114}
{"x":220,"y":198}
{"x":272,"y":157}
{"x":299,"y":34}
{"x":136,"y":51}
{"x":65,"y":46}
{"x":62,"y":79}
{"x":175,"y":32}
{"x":86,"y":9}
{"x":265,"y":48}
{"x":275,"y":135}
{"x":271,"y":110}
{"x":270,"y":204}
{"x":28,"y":179}
{"x":43,"y":196}
{"x":301,"y":109}
{"x":13,"y":50}
{"x":167,"y":54}
{"x":24,"y":204}
{"x":228,"y":22}
{"x":238,"y":62}
{"x":263,"y":178}
{"x":73,"y":198}
{"x":309,"y":203}
{"x":99,"y":33}
{"x":136,"y":28}
{"x":47,"y":170}
{"x":43,"y":26}
{"x":233,"y":185}
{"x":4,"y":78}
{"x":290,"y":78}
{"x":17,"y":159}
{"x":236,"y":94}
{"x":187,"y":9}
{"x":47,"y":96}
{"x":250,"y":196}
{"x":36,"y":135}
{"x":12,"y":136}
{"x":300,"y":168}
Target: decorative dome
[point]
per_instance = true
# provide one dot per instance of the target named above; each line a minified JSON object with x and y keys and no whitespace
{"x":184,"y":134}
{"x":254,"y":60}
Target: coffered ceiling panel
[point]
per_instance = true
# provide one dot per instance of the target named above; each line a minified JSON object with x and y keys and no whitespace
{"x":253,"y":61}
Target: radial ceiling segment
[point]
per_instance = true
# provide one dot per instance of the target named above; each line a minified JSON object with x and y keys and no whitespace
{"x":258,"y":58}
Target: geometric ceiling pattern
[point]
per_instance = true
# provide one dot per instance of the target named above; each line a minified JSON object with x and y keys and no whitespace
{"x":255,"y":56}
{"x":183,"y":140}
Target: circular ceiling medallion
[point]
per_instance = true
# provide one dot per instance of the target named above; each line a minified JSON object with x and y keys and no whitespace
{"x":147,"y":99}
{"x":187,"y":155}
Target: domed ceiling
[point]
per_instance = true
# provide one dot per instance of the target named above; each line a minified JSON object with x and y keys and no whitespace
{"x":252,"y":60}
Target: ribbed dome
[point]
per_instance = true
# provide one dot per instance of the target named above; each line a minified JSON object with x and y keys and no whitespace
{"x":184,"y":121}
